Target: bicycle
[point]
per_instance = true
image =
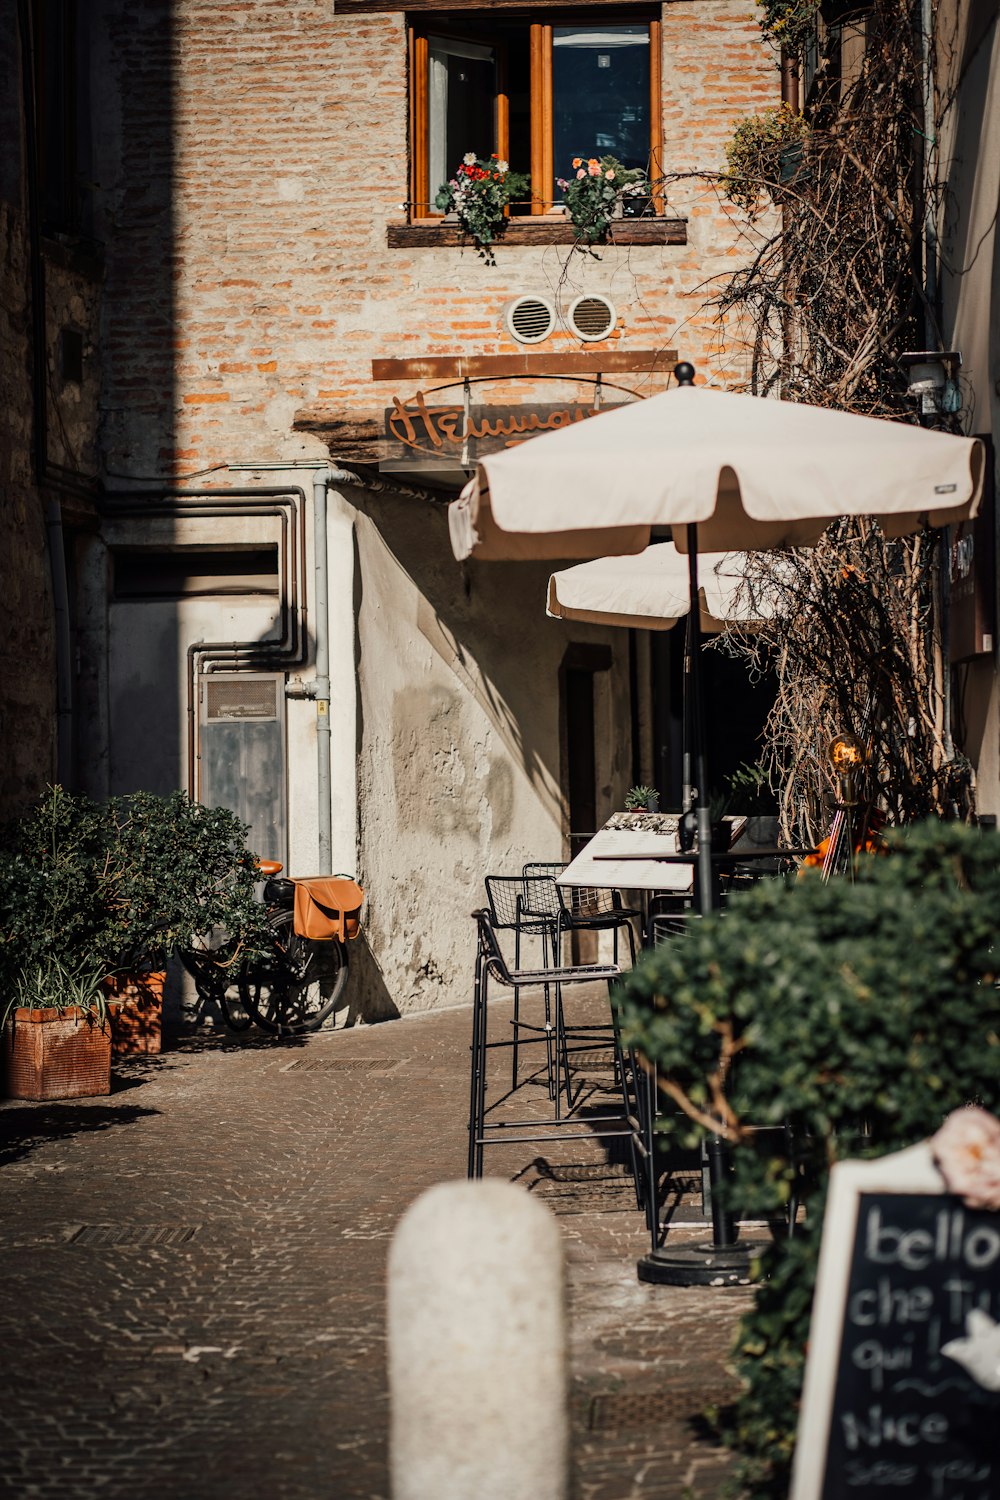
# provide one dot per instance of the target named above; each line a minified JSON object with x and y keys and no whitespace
{"x":294,"y":985}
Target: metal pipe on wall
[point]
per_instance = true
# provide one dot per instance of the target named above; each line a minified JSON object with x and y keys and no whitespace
{"x":291,"y":647}
{"x":322,"y":678}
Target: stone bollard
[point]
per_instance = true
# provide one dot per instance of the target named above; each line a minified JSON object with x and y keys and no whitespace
{"x":477,"y":1347}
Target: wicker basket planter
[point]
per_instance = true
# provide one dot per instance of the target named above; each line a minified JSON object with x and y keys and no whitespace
{"x":135,"y":1004}
{"x":56,"y":1054}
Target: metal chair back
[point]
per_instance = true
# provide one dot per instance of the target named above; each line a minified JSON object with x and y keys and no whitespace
{"x":509,"y":911}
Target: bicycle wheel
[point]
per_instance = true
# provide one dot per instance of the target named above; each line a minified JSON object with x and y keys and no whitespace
{"x":217,"y":983}
{"x":298,"y":984}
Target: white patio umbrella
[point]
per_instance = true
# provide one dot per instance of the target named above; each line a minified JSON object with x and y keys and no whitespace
{"x":725,"y":472}
{"x":649,"y":590}
{"x":752,"y":474}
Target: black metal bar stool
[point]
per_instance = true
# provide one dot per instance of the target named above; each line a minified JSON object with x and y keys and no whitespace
{"x":510,"y":912}
{"x":491,"y":964}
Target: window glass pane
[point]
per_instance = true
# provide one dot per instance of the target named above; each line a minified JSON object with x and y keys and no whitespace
{"x":461,"y":107}
{"x":600,"y":94}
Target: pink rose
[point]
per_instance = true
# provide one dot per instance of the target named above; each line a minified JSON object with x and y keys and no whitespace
{"x":610,"y":175}
{"x":580,"y":174}
{"x":967,"y":1151}
{"x":594,"y":170}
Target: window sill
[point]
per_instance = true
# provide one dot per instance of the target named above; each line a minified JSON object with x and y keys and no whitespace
{"x":543,"y":230}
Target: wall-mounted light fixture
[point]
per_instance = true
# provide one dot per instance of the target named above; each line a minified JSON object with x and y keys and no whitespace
{"x":932,"y":380}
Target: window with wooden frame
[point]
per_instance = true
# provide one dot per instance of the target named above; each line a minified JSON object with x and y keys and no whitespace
{"x":536,"y":93}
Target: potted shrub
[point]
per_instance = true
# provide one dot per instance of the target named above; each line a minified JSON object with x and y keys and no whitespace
{"x":480,"y":194}
{"x":116,"y":888}
{"x":183,"y":878}
{"x":56,"y":1032}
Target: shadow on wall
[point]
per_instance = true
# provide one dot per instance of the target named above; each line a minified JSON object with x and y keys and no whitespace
{"x":368,"y":998}
{"x":500,"y":607}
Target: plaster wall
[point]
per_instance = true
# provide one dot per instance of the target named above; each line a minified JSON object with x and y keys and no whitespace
{"x":459,"y":767}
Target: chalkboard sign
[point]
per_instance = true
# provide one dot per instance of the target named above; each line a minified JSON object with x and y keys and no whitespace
{"x":902,"y":1390}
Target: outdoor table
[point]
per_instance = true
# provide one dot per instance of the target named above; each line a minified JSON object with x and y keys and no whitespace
{"x":644,"y":846}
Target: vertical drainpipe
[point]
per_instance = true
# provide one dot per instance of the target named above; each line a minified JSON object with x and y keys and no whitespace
{"x":322,"y":679}
{"x":64,"y":677}
{"x":40,"y":418}
{"x":932,"y":339}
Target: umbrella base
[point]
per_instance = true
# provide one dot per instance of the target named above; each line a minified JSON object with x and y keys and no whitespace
{"x":701,"y":1265}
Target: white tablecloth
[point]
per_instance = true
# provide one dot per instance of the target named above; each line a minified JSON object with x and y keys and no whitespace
{"x":631,"y":835}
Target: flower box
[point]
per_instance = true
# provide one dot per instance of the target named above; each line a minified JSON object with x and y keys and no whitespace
{"x":56,"y":1054}
{"x":135,"y":1004}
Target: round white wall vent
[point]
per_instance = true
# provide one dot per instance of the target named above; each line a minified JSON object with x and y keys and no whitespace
{"x":592,"y":316}
{"x":530,"y":319}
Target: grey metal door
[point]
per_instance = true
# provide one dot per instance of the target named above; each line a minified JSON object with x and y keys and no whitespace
{"x":242,"y":753}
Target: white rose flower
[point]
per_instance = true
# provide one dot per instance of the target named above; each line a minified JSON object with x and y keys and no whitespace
{"x":967,"y":1151}
{"x":469,"y":158}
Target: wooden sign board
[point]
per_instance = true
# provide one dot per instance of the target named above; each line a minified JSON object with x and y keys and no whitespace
{"x":902,"y":1388}
{"x":421,"y":430}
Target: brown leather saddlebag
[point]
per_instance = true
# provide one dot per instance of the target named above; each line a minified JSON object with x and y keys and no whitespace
{"x":327,"y":906}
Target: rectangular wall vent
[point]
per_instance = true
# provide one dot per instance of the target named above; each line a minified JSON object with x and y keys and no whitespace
{"x":241,"y":698}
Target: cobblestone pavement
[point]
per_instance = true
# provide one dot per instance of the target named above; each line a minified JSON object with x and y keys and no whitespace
{"x":193,"y":1278}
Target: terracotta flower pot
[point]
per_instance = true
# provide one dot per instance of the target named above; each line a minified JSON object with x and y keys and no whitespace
{"x":56,"y":1054}
{"x":135,"y":1003}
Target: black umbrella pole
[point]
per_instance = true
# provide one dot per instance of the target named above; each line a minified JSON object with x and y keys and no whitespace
{"x":723,"y":1228}
{"x":699,"y":757}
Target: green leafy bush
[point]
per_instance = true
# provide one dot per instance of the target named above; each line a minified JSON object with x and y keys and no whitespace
{"x":764,"y":153}
{"x":56,"y":887}
{"x":850,"y":1018}
{"x":181,"y":869}
{"x":118,"y":886}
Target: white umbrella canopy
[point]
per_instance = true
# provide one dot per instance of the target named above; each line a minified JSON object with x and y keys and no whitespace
{"x":650,"y":590}
{"x":725,"y":472}
{"x":753,"y":474}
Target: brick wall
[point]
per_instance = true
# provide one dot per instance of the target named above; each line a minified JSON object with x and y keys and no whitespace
{"x":248,"y":175}
{"x":262,"y":153}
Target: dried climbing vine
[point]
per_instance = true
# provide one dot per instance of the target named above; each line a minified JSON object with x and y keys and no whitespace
{"x":830,"y":295}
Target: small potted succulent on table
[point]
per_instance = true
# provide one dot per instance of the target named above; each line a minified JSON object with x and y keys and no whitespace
{"x":642,"y":799}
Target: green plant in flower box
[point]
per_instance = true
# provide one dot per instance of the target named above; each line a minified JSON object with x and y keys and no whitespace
{"x":597,"y":193}
{"x":480,"y":194}
{"x":764,"y":157}
{"x":54,"y":984}
{"x":814,"y":1021}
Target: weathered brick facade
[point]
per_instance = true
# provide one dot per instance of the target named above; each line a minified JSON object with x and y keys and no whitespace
{"x":252,"y":279}
{"x":248,"y":179}
{"x":48,"y":432}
